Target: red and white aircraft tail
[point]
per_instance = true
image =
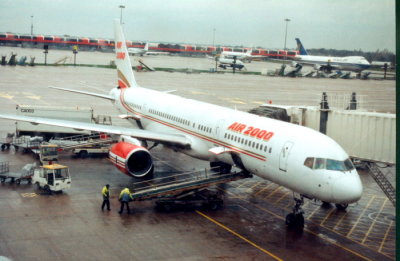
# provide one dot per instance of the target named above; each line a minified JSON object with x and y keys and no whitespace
{"x":126,"y":78}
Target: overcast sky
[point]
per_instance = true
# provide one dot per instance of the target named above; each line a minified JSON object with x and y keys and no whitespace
{"x":340,"y":24}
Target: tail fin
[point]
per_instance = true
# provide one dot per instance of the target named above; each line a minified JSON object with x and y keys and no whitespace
{"x":126,"y":78}
{"x":249,"y":51}
{"x":146,"y":47}
{"x":300,"y":47}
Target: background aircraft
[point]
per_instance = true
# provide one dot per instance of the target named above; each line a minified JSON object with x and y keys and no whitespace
{"x":328,"y":63}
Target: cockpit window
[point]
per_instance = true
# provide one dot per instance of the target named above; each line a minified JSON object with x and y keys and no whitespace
{"x":319,"y":163}
{"x":329,"y":164}
{"x":309,"y":162}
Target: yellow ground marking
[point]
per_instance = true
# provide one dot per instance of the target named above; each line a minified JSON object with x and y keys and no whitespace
{"x":312,"y":213}
{"x":252,"y":187}
{"x":197,"y":92}
{"x":386,"y":234}
{"x":305,"y":229}
{"x":238,"y":235}
{"x":28,"y":195}
{"x":5,"y":95}
{"x":34,"y":97}
{"x":237,"y":101}
{"x":244,"y":183}
{"x":359,"y":218}
{"x":261,"y":190}
{"x":283,"y":196}
{"x":373,"y":223}
{"x":327,"y":216}
{"x":339,"y":221}
{"x":257,"y":102}
{"x":273,"y":192}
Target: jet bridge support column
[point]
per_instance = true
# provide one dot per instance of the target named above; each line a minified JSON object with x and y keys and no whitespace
{"x":324,"y":110}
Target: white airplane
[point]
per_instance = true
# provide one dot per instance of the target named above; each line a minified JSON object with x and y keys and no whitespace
{"x":327,"y":63}
{"x":298,"y":158}
{"x":144,"y":51}
{"x":227,"y":62}
{"x":139,"y":51}
{"x":239,"y":55}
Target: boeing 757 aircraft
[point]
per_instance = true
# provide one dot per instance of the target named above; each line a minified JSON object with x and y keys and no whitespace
{"x":351,"y":63}
{"x":298,"y":158}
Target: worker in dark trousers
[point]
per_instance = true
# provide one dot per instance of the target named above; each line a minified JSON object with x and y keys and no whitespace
{"x":124,"y":198}
{"x":106,"y":197}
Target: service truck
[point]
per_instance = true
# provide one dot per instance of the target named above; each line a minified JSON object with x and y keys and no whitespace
{"x":53,"y":177}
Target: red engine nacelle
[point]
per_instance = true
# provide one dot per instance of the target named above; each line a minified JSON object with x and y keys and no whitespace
{"x":131,"y":159}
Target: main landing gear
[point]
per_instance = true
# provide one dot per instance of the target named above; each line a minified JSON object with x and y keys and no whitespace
{"x":221,"y":167}
{"x":296,"y":218}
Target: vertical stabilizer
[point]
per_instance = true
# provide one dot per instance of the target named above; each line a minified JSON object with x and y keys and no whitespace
{"x":126,"y":78}
{"x":146,"y":47}
{"x":300,"y":47}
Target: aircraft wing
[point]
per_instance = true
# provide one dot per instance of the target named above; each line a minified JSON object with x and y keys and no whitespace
{"x":137,"y":133}
{"x":104,"y":96}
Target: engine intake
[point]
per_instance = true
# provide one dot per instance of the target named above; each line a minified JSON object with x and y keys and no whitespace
{"x":131,"y":159}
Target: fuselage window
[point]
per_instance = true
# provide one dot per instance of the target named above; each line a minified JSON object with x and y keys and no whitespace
{"x":261,"y":147}
{"x":257,"y":146}
{"x":270,"y":149}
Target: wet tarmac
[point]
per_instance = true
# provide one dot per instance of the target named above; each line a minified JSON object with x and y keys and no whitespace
{"x":250,"y":225}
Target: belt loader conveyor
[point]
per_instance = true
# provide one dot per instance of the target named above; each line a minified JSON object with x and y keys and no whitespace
{"x":187,"y":191}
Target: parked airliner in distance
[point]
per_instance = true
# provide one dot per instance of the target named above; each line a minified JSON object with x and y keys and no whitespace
{"x":242,"y":56}
{"x":298,"y":158}
{"x":327,"y":63}
{"x":139,"y":51}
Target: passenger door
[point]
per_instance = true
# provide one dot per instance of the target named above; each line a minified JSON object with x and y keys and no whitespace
{"x":283,"y":157}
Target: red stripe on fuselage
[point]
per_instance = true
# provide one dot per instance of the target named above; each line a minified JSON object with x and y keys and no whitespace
{"x":251,"y":154}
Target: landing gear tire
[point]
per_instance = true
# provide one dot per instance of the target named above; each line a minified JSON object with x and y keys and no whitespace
{"x":167,"y":207}
{"x":295,"y":220}
{"x":341,"y":206}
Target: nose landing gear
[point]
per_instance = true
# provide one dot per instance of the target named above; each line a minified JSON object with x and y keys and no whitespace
{"x":296,"y":218}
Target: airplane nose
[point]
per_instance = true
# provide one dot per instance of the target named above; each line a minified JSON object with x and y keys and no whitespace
{"x":347,"y":189}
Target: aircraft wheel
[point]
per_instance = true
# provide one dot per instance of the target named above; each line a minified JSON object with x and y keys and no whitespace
{"x":47,"y":189}
{"x":299,"y":220}
{"x":290,"y":220}
{"x":341,"y":206}
{"x":213,"y":206}
{"x":167,"y":207}
{"x":83,"y":154}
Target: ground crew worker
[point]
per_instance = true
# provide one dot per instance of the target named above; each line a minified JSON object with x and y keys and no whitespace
{"x":124,"y":197}
{"x":106,"y":197}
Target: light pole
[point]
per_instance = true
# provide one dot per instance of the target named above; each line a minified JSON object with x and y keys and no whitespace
{"x":31,"y":24}
{"x":120,"y":17}
{"x":214,"y":37}
{"x":287,"y":20}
